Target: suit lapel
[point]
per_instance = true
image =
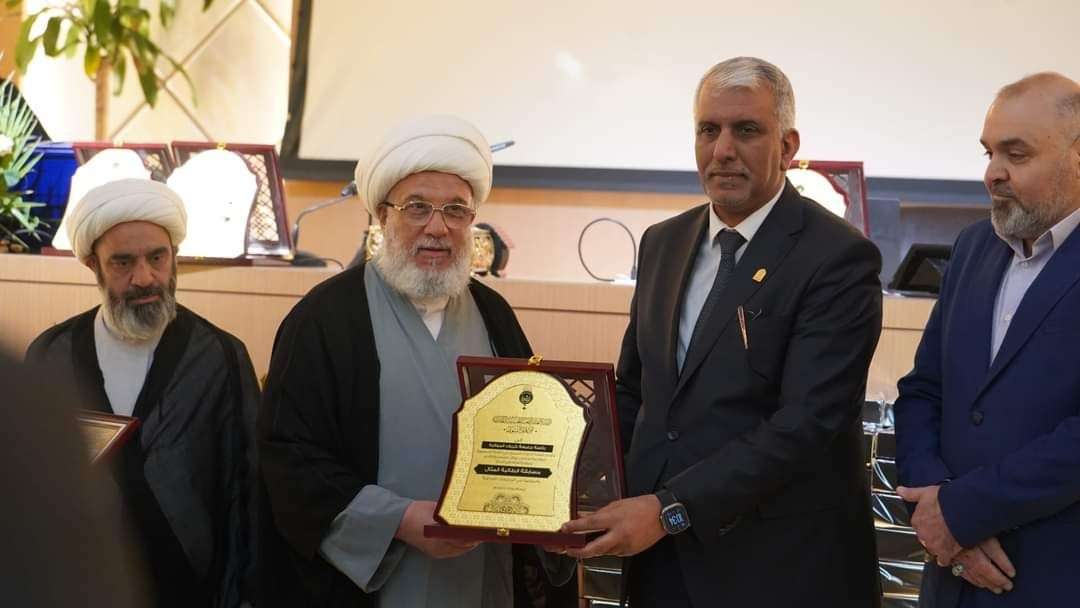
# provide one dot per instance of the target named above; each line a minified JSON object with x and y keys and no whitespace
{"x":766,"y":250}
{"x":1059,"y":275}
{"x":980,"y":298}
{"x":684,"y":254}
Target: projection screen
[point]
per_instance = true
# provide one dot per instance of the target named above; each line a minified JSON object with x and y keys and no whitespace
{"x":605,"y":84}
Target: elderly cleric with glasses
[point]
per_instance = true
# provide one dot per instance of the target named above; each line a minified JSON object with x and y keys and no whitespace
{"x":354,"y":434}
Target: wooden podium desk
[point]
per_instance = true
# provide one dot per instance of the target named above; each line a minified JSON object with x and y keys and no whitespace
{"x":580,"y":321}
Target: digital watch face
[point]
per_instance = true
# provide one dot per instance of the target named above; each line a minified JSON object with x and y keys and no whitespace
{"x":675,"y":519}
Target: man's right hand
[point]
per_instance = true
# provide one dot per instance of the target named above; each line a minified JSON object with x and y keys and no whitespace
{"x":418,"y":514}
{"x":986,"y":566}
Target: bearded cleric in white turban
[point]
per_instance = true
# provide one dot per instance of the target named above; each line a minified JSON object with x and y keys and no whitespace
{"x":446,"y":144}
{"x":125,"y":200}
{"x":366,"y":359}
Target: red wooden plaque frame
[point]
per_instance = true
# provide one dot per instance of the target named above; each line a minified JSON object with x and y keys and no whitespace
{"x":598,"y":476}
{"x":271,"y":184}
{"x":848,"y":179}
{"x":85,"y":150}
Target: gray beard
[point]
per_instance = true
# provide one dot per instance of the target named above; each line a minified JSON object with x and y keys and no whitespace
{"x":138,"y":322}
{"x":1032,"y":219}
{"x":1011,"y":220}
{"x":396,"y":265}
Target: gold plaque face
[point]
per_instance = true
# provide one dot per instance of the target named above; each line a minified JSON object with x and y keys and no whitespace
{"x":517,"y":446}
{"x":104,"y":433}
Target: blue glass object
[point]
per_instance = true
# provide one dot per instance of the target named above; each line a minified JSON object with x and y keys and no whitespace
{"x":49,"y":182}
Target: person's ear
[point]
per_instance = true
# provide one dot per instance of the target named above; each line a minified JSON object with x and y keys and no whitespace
{"x":789,"y":147}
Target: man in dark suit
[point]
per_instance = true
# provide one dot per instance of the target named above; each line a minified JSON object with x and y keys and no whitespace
{"x":742,"y":377}
{"x":988,"y":422}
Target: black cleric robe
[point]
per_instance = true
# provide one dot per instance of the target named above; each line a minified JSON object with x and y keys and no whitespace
{"x":318,"y":436}
{"x":187,"y":478}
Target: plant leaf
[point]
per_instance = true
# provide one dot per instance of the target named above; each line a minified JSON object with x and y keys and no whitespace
{"x":51,"y":37}
{"x":119,"y":72}
{"x":71,"y":43}
{"x":25,"y":48}
{"x":103,"y":23}
{"x":91,"y":61}
{"x":11,"y":178}
{"x":148,"y":81}
{"x":167,"y":13}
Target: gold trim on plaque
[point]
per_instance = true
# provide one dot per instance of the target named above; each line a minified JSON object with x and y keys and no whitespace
{"x":517,"y":441}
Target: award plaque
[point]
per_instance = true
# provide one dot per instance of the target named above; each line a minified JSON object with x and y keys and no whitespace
{"x":266,"y":229}
{"x":839,"y":186}
{"x":534,"y":443}
{"x":105,"y":433}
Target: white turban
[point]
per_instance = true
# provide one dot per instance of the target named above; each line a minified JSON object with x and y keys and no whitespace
{"x":446,"y":144}
{"x":125,"y":200}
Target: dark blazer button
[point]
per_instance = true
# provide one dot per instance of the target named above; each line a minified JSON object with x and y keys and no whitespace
{"x":976,"y":417}
{"x":672,"y":435}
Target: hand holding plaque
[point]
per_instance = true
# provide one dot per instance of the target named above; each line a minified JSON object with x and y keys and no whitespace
{"x":516,"y":462}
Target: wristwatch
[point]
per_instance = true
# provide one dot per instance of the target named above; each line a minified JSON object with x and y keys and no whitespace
{"x":673,"y":515}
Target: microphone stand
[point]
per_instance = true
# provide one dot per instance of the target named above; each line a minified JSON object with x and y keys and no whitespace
{"x":303,"y":258}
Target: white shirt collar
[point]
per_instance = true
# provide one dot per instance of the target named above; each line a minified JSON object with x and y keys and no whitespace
{"x":432,"y":311}
{"x":427,"y":306}
{"x":1051,"y":239}
{"x":749,"y":226}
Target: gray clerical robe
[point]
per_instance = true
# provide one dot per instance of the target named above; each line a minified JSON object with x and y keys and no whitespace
{"x":419,"y":393}
{"x":321,"y":444}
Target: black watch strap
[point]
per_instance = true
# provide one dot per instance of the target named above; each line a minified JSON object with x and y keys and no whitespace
{"x":673,"y":515}
{"x":666,"y":498}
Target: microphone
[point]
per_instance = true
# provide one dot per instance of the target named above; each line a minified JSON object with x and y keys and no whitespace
{"x":303,"y":258}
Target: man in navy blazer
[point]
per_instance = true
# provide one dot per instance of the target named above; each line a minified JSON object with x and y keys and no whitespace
{"x":988,"y":422}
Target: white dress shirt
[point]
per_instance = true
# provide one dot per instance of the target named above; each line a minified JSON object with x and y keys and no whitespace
{"x":432,"y":312}
{"x":706,"y":264}
{"x":1022,"y":272}
{"x":124,"y":365}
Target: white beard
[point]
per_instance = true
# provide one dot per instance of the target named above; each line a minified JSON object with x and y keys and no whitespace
{"x":399,"y":270}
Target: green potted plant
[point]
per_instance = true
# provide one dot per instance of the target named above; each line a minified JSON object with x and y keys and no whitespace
{"x":18,"y":228}
{"x":111,"y":35}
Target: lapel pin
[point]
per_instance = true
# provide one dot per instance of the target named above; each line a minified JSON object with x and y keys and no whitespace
{"x":759,"y":276}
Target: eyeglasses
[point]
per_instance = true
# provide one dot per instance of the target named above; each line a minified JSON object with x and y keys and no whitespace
{"x":418,"y":213}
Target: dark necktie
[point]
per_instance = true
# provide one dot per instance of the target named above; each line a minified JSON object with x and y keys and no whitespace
{"x":729,"y":242}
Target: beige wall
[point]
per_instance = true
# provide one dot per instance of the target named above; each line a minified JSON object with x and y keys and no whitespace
{"x":9,"y":33}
